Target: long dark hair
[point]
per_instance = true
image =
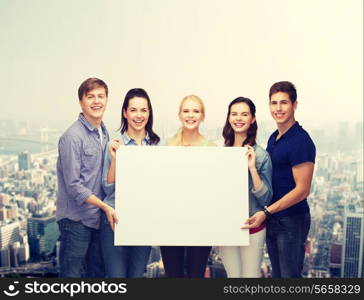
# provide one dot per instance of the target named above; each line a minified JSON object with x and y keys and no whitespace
{"x":228,"y":132}
{"x":154,"y":138}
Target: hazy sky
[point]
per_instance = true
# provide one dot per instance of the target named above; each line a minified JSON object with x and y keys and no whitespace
{"x":218,"y":50}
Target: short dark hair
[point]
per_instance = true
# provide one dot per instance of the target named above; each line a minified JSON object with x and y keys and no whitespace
{"x":285,"y":87}
{"x":90,"y":84}
{"x":138,"y":92}
{"x":228,"y":132}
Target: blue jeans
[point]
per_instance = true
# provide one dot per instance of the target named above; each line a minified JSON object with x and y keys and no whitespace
{"x":286,"y":238}
{"x":121,"y":261}
{"x":80,"y":251}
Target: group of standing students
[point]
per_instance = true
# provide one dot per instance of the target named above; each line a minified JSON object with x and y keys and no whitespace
{"x":278,"y":208}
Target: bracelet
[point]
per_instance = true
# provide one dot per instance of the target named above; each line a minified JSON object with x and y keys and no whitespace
{"x":267,"y":213}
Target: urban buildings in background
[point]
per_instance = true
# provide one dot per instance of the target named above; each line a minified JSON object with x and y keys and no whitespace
{"x":29,"y":233}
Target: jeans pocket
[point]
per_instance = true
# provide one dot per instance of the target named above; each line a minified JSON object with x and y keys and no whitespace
{"x":288,"y":223}
{"x":77,"y":238}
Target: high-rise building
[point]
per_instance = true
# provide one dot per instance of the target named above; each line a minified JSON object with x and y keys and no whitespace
{"x":352,"y":254}
{"x":14,"y":254}
{"x":11,"y":211}
{"x":9,"y":234}
{"x":3,"y":215}
{"x":4,"y":200}
{"x":5,"y":257}
{"x":24,"y":161}
{"x":23,"y":253}
{"x":359,"y":178}
{"x":335,"y":259}
{"x":43,"y":233}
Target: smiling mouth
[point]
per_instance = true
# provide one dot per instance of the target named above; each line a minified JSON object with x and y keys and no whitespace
{"x":239,"y":125}
{"x":139,"y":122}
{"x":96,"y":108}
{"x":279,"y":115}
{"x":190,"y":121}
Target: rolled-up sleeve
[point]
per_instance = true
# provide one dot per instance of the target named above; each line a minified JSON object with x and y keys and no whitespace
{"x":265,"y":192}
{"x":109,"y":188}
{"x":70,"y":148}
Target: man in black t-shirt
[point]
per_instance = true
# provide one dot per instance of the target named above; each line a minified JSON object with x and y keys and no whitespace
{"x":293,"y":156}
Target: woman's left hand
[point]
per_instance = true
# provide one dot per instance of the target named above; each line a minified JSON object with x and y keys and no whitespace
{"x":250,"y":153}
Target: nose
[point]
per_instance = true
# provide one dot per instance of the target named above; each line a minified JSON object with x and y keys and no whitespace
{"x":278,"y":106}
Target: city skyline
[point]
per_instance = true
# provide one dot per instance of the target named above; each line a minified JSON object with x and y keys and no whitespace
{"x":28,"y":237}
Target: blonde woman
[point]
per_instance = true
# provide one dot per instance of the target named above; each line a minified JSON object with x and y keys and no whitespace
{"x":175,"y":258}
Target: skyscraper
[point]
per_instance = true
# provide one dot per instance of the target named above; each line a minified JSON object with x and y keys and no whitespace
{"x":43,"y":233}
{"x":24,"y":161}
{"x":9,"y":234}
{"x":352,"y":255}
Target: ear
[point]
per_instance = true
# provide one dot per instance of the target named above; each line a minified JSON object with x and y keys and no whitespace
{"x":253,"y":120}
{"x":295,"y":105}
{"x":124,"y":113}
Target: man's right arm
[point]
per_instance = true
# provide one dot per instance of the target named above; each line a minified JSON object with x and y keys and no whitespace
{"x":70,"y":158}
{"x":108,"y":210}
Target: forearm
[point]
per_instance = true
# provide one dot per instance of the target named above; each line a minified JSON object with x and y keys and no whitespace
{"x":257,"y":181}
{"x":108,"y":210}
{"x":111,"y":172}
{"x":93,"y":200}
{"x":293,"y":197}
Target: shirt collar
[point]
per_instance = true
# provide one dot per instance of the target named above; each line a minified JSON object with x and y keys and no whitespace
{"x":88,"y":125}
{"x":289,"y":132}
{"x":128,"y":140}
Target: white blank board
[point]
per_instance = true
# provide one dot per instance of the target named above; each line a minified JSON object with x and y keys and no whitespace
{"x":187,"y":196}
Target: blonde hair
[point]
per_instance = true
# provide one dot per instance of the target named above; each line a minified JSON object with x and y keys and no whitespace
{"x":176,"y":140}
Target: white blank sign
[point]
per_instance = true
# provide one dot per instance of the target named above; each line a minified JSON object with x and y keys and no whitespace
{"x":187,"y":196}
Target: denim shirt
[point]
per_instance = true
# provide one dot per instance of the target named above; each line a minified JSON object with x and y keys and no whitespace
{"x":263,"y":195}
{"x":109,"y":188}
{"x":79,"y":170}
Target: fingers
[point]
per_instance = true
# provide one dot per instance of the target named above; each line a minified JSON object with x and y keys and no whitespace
{"x":248,"y":223}
{"x":116,"y":220}
{"x":111,"y":222}
{"x":112,"y":218}
{"x":114,"y":145}
{"x":249,"y":148}
{"x":253,"y":225}
{"x":254,"y":221}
